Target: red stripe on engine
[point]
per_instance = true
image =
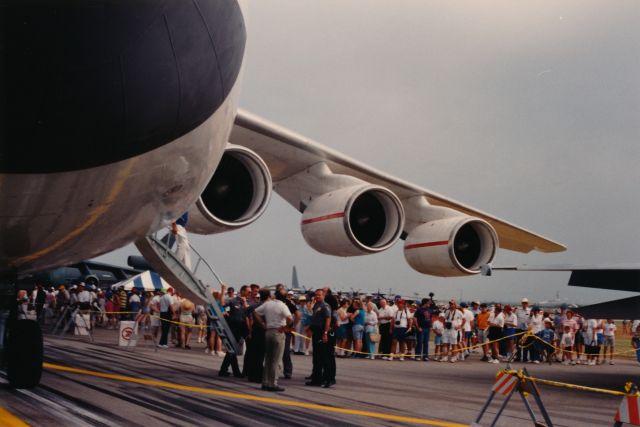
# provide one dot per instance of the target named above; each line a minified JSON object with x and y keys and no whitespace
{"x":324,"y":218}
{"x":425,"y":245}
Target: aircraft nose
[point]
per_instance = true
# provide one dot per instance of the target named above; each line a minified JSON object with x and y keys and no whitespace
{"x":90,"y":83}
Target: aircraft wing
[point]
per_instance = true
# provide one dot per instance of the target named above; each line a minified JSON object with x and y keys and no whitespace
{"x":614,"y":277}
{"x":287,"y":153}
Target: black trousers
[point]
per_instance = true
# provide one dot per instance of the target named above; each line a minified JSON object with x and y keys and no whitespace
{"x":239,"y":331}
{"x":286,"y":357}
{"x":320,"y":373}
{"x":254,"y":357}
{"x":331,"y":357}
{"x":166,"y":326}
{"x":385,"y":338}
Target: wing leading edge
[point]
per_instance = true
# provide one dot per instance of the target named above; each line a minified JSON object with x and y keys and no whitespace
{"x":287,"y":153}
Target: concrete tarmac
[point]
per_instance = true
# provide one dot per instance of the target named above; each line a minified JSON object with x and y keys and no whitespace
{"x":175,"y":387}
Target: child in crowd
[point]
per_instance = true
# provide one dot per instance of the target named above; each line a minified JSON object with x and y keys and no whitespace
{"x":438,"y":330}
{"x":567,"y":342}
{"x":609,"y":340}
{"x":548,"y":336}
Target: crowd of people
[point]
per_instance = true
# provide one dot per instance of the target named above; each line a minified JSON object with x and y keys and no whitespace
{"x":273,"y":326}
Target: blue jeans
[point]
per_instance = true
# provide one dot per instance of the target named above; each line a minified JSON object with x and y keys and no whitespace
{"x":422,"y":343}
{"x":638,"y":354}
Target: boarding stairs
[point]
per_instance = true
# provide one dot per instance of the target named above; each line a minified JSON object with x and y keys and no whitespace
{"x":157,"y":251}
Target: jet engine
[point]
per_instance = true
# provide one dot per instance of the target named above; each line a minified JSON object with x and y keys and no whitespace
{"x":455,"y":246}
{"x":237,"y":194}
{"x":355,"y":220}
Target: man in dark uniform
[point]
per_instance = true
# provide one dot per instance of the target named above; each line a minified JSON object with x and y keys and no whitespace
{"x":320,"y":327}
{"x":237,"y":320}
{"x":254,"y":356}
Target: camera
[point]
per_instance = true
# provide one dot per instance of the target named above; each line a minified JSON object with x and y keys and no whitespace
{"x":397,"y":323}
{"x":447,"y":325}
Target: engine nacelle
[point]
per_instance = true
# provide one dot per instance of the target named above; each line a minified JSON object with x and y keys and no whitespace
{"x":355,"y":220}
{"x":456,"y":246}
{"x":237,"y":194}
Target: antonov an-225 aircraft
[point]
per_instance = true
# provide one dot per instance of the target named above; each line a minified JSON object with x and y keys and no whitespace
{"x":118,"y":116}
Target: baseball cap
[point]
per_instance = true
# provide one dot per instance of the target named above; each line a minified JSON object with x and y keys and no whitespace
{"x":476,"y":302}
{"x":507,"y":307}
{"x":546,"y":319}
{"x":463,"y":305}
{"x":535,"y":308}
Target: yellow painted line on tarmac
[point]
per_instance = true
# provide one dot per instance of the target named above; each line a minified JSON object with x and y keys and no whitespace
{"x":9,"y":420}
{"x":244,"y":396}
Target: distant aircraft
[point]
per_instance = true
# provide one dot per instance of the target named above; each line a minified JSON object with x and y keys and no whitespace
{"x":116,"y":123}
{"x":613,"y":277}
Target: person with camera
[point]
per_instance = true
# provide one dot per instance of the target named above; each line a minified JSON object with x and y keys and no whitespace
{"x":402,"y":322}
{"x":452,"y":331}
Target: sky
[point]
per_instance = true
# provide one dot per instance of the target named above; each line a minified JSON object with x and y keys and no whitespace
{"x":527,"y":110}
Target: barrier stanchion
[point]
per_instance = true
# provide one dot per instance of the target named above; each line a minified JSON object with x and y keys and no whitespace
{"x":509,"y":382}
{"x":629,"y":410}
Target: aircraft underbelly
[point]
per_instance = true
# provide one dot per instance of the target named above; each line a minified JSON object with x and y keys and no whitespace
{"x":54,"y":219}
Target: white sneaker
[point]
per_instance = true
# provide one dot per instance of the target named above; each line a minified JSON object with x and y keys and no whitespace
{"x":206,"y":350}
{"x":611,"y":362}
{"x":536,"y":362}
{"x":401,"y":358}
{"x":494,"y":361}
{"x":372,"y":357}
{"x":445,"y":359}
{"x":306,"y":353}
{"x":452,"y":360}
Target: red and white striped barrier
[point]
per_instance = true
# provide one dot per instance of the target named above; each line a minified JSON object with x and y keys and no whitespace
{"x":629,"y":412}
{"x":505,"y":383}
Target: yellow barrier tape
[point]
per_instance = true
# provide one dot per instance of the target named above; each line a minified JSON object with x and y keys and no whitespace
{"x":520,"y":374}
{"x":577,"y":353}
{"x":193,"y":325}
{"x":392,"y":355}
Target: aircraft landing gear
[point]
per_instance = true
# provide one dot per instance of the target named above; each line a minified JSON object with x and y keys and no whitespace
{"x":21,"y":347}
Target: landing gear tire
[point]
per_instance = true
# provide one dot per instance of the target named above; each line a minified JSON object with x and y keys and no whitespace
{"x":24,"y":354}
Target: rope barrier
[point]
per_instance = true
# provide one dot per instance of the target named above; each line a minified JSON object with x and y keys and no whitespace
{"x":520,"y":374}
{"x":577,"y":353}
{"x":392,"y":355}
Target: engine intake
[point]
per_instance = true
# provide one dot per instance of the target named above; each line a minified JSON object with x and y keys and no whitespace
{"x":456,"y":246}
{"x":355,"y":220}
{"x":237,"y":194}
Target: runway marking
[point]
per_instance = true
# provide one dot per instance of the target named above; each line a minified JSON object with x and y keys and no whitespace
{"x":244,"y":396}
{"x":10,"y":420}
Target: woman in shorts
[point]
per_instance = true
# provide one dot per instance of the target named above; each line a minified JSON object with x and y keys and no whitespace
{"x":186,"y":322}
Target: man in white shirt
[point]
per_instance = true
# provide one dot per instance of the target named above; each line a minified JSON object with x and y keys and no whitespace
{"x":467,"y":328}
{"x":385,"y":317}
{"x":276,"y":316}
{"x":522,"y":314}
{"x":452,"y":331}
{"x":83,"y":297}
{"x":166,"y":303}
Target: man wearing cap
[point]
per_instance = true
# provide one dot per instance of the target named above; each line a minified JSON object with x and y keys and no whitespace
{"x":523,"y":315}
{"x":536,"y":325}
{"x":452,"y":331}
{"x":482,"y":330}
{"x":320,"y":328}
